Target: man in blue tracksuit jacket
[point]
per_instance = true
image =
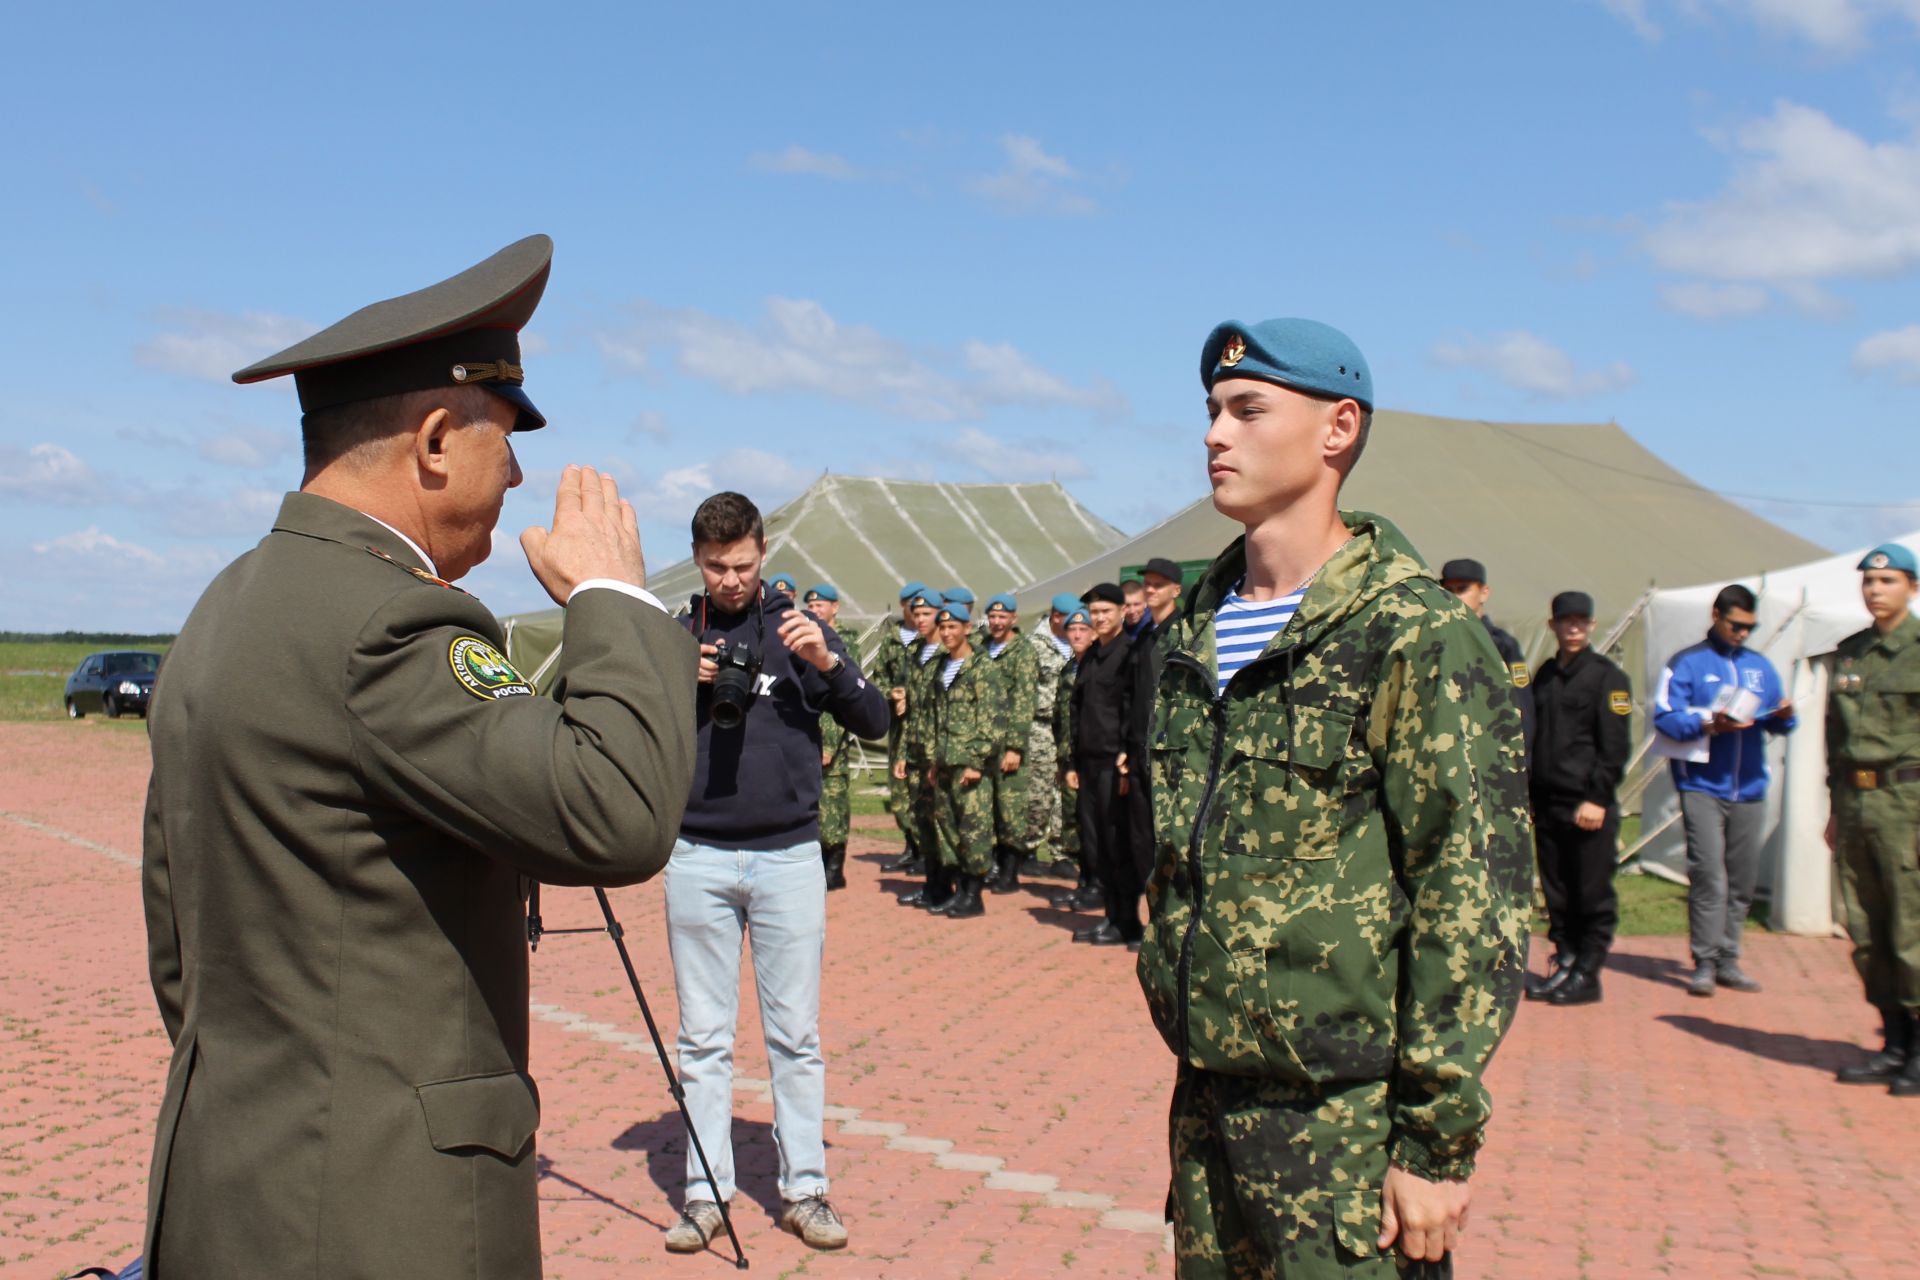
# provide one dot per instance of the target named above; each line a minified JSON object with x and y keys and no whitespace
{"x":1723,"y":691}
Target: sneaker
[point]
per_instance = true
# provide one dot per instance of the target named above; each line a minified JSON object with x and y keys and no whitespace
{"x":1732,"y":978}
{"x":815,"y":1222}
{"x":699,"y":1224}
{"x":1701,"y":983}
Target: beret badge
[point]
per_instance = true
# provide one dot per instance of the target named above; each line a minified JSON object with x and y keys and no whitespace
{"x":1878,"y":560}
{"x":1234,"y":352}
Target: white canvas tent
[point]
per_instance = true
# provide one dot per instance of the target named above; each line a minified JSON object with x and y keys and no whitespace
{"x":1804,"y":611}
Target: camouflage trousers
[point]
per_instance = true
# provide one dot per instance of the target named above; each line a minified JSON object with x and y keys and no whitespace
{"x":1068,"y":844}
{"x":1280,"y":1181}
{"x":836,"y":804}
{"x":964,"y":821}
{"x":900,"y":796}
{"x":1010,"y":808}
{"x":922,"y":812}
{"x":1043,"y":802}
{"x":1877,"y":851}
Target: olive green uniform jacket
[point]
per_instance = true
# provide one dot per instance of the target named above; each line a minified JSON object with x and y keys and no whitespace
{"x":1343,"y":879}
{"x":350,"y":790}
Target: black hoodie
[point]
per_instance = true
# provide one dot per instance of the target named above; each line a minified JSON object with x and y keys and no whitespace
{"x":757,"y":786}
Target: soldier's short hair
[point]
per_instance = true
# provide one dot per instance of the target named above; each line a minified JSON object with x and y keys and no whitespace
{"x":360,"y":426}
{"x":1735,"y":597}
{"x":727,"y":517}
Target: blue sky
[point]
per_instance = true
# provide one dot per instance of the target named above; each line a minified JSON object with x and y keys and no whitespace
{"x":970,"y":244}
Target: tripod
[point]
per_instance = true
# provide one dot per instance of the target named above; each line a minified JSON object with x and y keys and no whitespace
{"x":612,"y":928}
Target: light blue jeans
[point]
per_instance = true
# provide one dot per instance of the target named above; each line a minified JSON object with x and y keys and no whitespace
{"x":778,"y":898}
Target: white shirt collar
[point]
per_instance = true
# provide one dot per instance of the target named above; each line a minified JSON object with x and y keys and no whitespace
{"x":411,"y":544}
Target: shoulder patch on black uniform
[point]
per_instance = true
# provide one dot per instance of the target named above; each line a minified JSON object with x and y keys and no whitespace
{"x":415,"y":570}
{"x":484,"y":671}
{"x":1521,"y":676}
{"x":1620,"y":702}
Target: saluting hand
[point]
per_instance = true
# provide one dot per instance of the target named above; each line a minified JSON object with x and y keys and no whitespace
{"x":594,"y":535}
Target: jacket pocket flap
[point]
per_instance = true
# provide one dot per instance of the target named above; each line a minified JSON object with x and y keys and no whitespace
{"x":1313,"y":737}
{"x":498,"y":1113}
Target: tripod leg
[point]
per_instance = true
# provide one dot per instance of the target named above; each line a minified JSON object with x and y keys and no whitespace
{"x":618,"y":935}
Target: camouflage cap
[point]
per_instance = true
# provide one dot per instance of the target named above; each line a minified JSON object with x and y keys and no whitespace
{"x":464,"y":331}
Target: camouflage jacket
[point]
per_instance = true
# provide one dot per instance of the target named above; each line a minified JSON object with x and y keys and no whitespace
{"x":1342,"y":879}
{"x":1015,"y":676}
{"x":1063,"y":713}
{"x":891,"y":663}
{"x":965,"y":715}
{"x":922,"y":684}
{"x":1047,"y":662}
{"x":833,"y":735}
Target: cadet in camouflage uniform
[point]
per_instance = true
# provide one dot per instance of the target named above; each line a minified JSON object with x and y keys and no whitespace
{"x":1338,"y":911}
{"x":1050,"y":654}
{"x":1015,"y":673}
{"x":891,"y":663}
{"x":836,"y":745}
{"x":968,"y":733}
{"x":1079,"y":633}
{"x":1873,"y":771}
{"x":916,"y":758}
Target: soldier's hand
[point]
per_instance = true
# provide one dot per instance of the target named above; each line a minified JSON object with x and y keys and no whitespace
{"x":899,"y":770}
{"x":1010,"y":763}
{"x":1072,"y":778}
{"x":971,"y":777}
{"x":826,"y":759}
{"x":1589,"y":816}
{"x":898,"y":696}
{"x":594,"y":535}
{"x":1425,"y":1217}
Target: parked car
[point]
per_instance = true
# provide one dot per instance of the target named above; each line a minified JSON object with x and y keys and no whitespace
{"x":112,"y":682}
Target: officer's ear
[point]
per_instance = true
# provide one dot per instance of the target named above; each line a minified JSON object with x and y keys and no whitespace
{"x":430,"y":439}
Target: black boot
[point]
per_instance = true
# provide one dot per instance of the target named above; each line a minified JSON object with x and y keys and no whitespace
{"x":924,"y":894}
{"x":1091,"y":898}
{"x":909,"y":862}
{"x":1885,"y":1066}
{"x":1908,"y":1085}
{"x":1580,"y":986}
{"x":1064,"y":899}
{"x":1006,"y":870}
{"x":1539,"y":988}
{"x":835,"y":859}
{"x":966,"y":902}
{"x":942,"y":887}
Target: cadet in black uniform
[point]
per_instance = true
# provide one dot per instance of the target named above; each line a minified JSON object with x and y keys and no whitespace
{"x":1583,"y":705}
{"x":1468,"y":580}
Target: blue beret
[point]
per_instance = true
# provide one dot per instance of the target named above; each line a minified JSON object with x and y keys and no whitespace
{"x":961,"y":594}
{"x":1304,"y":355}
{"x":954,"y":611}
{"x":1079,"y":616}
{"x":912,"y":589}
{"x":1891,"y":555}
{"x":1066,"y":602}
{"x":783,"y":582}
{"x":1004,"y":600}
{"x":822,"y":591}
{"x":925,"y":599}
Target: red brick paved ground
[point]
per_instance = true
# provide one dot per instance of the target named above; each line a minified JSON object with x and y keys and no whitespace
{"x":1004,"y":1096}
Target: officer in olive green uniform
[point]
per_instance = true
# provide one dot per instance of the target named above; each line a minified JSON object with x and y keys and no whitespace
{"x":1873,"y":772}
{"x":1338,"y":911}
{"x":916,"y":757}
{"x":351,"y":791}
{"x":968,"y":734}
{"x":890,"y":666}
{"x":1015,"y":673}
{"x":836,"y":748}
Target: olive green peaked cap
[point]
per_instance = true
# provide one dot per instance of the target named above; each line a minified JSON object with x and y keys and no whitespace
{"x":464,"y":331}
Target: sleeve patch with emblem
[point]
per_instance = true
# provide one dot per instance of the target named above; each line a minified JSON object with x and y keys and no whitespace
{"x":484,"y":671}
{"x":1620,"y":702}
{"x":1521,"y":676}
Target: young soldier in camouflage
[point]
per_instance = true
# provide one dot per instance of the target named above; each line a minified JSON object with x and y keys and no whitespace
{"x":891,"y":664}
{"x":1079,"y":636}
{"x":1339,"y":906}
{"x":966,"y":733}
{"x":1042,"y":764}
{"x":836,"y":744}
{"x":1015,"y":674}
{"x":915,"y":707}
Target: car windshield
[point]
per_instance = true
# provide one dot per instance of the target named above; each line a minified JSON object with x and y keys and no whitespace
{"x":130,"y":664}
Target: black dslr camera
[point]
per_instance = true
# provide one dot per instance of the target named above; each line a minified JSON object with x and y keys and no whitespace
{"x":733,"y":683}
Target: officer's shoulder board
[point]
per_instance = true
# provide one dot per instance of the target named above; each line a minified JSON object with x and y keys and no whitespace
{"x":415,"y":570}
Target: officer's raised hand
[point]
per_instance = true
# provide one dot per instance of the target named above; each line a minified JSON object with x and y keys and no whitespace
{"x":594,"y":535}
{"x":801,"y":633}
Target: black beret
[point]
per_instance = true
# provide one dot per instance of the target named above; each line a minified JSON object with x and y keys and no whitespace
{"x":1463,"y":571}
{"x":1573,"y":604}
{"x":1106,"y":591}
{"x":1166,"y":568}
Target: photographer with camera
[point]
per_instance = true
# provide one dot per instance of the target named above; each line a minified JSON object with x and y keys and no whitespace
{"x":748,"y":861}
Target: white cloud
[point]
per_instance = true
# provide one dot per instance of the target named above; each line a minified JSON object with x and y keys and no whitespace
{"x":797,"y":346}
{"x":211,"y":345}
{"x":1807,"y":201}
{"x":1033,"y":181}
{"x":90,"y":544}
{"x":1002,"y":460}
{"x":48,"y":473}
{"x":1634,"y":14}
{"x":246,"y":447}
{"x":765,"y":477}
{"x":1896,"y":352}
{"x":798,"y":159}
{"x":1830,"y":26}
{"x":1705,"y":301}
{"x":652,"y":424}
{"x":1531,"y":364}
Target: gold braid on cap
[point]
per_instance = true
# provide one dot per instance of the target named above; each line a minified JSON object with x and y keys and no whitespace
{"x":488,"y":371}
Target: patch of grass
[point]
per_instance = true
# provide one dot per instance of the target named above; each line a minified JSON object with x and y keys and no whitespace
{"x":33,"y":674}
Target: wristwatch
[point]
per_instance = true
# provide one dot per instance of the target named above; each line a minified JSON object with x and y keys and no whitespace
{"x":835,"y":665}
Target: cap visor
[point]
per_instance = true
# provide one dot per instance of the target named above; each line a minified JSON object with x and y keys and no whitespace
{"x":530,"y":419}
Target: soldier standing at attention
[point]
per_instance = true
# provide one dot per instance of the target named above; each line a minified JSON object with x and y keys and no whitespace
{"x":836,"y":744}
{"x":915,"y":706}
{"x":1079,"y":636}
{"x":335,"y":876}
{"x":891,"y":662}
{"x":1468,"y":580}
{"x":1583,"y":704}
{"x":1015,"y":674}
{"x":1873,"y":772}
{"x":967,"y":734}
{"x":1050,"y":653}
{"x":1339,"y":909}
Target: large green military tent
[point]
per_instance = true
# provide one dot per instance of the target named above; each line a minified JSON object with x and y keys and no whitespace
{"x":867,"y":536}
{"x":1546,"y":507}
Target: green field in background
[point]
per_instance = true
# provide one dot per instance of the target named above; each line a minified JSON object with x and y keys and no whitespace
{"x":33,"y":675}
